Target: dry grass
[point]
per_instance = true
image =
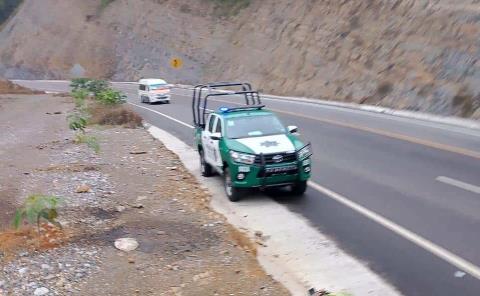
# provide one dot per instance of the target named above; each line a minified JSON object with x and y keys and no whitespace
{"x":114,"y":115}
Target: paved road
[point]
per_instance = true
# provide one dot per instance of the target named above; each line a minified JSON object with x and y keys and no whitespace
{"x":401,"y":194}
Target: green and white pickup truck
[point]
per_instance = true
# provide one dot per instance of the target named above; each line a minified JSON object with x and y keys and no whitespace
{"x":247,"y":144}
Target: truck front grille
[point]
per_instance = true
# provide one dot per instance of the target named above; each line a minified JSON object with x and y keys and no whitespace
{"x":276,"y":158}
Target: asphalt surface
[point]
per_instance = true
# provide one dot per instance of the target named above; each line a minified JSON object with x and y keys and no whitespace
{"x":421,"y":177}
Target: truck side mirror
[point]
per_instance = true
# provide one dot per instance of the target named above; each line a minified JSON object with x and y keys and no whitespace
{"x":216,"y":136}
{"x":292,"y":129}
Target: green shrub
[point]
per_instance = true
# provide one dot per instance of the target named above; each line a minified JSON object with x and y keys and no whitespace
{"x":111,"y":97}
{"x":93,"y":86}
{"x":97,"y":86}
{"x":37,"y":207}
{"x":91,"y":141}
{"x":80,"y":95}
{"x":77,"y":122}
{"x":79,"y":83}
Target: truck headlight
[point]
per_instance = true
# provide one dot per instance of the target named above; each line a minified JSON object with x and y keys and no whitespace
{"x":304,"y":152}
{"x":242,"y":157}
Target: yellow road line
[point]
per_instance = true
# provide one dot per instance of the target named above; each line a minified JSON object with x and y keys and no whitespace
{"x":392,"y":135}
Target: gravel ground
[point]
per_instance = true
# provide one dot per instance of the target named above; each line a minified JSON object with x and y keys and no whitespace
{"x":136,"y":188}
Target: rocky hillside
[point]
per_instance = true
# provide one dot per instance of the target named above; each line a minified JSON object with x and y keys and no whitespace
{"x":409,"y":54}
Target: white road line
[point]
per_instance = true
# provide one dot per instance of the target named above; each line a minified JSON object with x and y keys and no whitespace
{"x":459,"y":184}
{"x":164,"y":115}
{"x":427,"y":245}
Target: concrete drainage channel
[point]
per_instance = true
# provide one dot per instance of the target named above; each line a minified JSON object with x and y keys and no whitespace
{"x":293,"y":252}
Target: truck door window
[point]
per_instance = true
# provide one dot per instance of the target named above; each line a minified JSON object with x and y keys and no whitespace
{"x":211,"y":121}
{"x":218,"y":128}
{"x":142,"y":87}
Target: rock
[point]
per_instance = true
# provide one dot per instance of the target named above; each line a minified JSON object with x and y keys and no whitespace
{"x":41,"y":291}
{"x":84,"y":188}
{"x":120,"y":209}
{"x":131,"y":260}
{"x":45,"y":266}
{"x":201,"y":276}
{"x":126,"y":244}
{"x":258,"y":233}
{"x":161,"y":232}
{"x":138,"y":206}
{"x":23,"y":270}
{"x":140,"y":198}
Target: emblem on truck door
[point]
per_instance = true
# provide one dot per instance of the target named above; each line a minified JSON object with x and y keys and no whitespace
{"x":269,"y":143}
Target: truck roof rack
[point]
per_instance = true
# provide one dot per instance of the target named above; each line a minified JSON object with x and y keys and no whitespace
{"x":202,"y":92}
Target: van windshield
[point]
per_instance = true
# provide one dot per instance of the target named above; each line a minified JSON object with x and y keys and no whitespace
{"x":253,"y":126}
{"x":158,"y":86}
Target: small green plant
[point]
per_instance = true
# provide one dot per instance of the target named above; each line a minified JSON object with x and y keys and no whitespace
{"x":111,"y":97}
{"x":93,"y":86}
{"x":37,"y":207}
{"x":91,"y":141}
{"x":80,"y":95}
{"x":97,"y":86}
{"x":229,"y":8}
{"x":79,"y":83}
{"x":77,"y":122}
{"x":105,"y":3}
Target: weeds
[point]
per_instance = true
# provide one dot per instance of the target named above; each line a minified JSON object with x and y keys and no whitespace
{"x":229,"y":7}
{"x":37,"y":207}
{"x":80,"y":95}
{"x":91,"y":141}
{"x":105,"y":3}
{"x":103,"y":108}
{"x":92,"y":86}
{"x":110,"y":97}
{"x":77,"y":122}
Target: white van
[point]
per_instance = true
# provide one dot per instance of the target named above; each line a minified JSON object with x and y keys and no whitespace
{"x":153,"y":90}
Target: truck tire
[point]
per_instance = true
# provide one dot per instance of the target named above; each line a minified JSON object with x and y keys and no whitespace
{"x":299,"y":188}
{"x":205,"y":168}
{"x":234,"y":194}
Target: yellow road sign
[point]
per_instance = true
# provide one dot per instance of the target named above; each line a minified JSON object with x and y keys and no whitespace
{"x":176,"y":63}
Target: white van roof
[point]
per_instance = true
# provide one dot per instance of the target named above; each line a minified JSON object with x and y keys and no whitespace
{"x":151,"y":81}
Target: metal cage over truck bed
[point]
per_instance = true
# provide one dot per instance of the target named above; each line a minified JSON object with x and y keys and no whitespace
{"x":202,"y":92}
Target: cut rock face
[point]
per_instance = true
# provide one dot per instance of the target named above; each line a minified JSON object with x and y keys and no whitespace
{"x":126,"y":244}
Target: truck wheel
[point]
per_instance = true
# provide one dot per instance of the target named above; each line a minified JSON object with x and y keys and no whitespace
{"x":234,"y":194}
{"x":205,"y":168}
{"x":299,"y":188}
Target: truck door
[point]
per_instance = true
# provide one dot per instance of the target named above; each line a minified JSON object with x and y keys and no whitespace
{"x":216,"y":143}
{"x":207,"y":142}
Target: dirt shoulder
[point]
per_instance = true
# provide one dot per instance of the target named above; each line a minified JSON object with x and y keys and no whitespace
{"x":137,"y":189}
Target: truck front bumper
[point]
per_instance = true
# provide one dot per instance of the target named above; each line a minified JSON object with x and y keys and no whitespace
{"x":249,"y":176}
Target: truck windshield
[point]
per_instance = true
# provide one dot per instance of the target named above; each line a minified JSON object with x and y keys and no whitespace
{"x":253,"y":126}
{"x":158,"y":86}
